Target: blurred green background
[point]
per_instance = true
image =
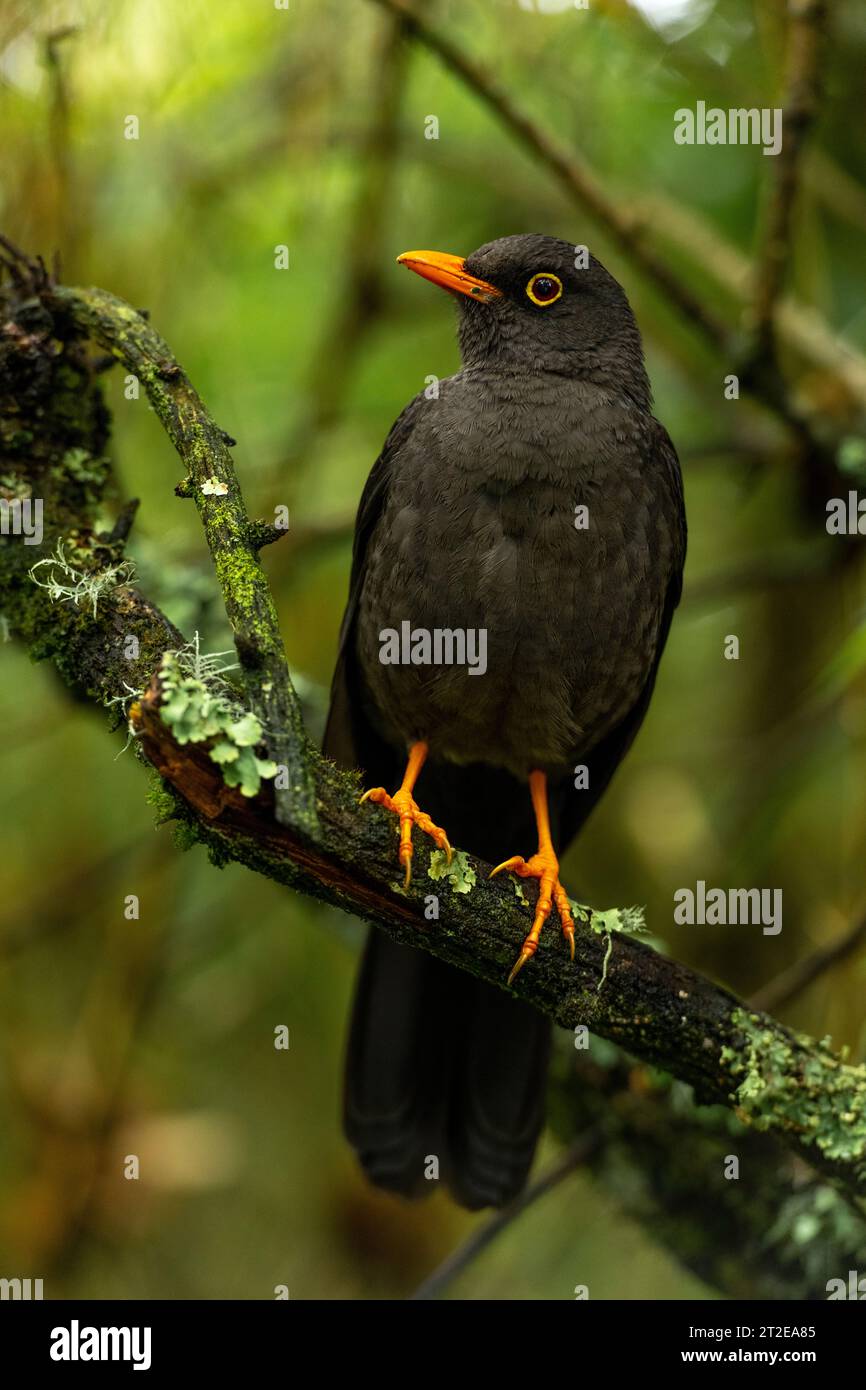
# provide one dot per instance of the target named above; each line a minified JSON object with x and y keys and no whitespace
{"x":262,"y":127}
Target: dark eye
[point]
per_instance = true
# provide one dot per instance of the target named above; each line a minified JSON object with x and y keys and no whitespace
{"x":544,"y":289}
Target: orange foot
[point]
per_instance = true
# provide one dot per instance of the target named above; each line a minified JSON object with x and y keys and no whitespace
{"x":404,"y":805}
{"x":545,"y":867}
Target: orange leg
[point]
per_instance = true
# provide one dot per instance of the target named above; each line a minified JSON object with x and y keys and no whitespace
{"x":404,"y":805}
{"x":545,"y":867}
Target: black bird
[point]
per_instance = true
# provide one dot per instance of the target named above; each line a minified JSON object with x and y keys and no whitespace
{"x":534,"y":498}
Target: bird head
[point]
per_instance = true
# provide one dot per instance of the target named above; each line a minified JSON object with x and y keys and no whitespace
{"x":537,"y":304}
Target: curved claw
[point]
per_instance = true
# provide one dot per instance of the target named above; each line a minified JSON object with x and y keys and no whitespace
{"x":544,"y":867}
{"x":404,"y":806}
{"x":527,"y":952}
{"x":512,"y":865}
{"x":568,"y":933}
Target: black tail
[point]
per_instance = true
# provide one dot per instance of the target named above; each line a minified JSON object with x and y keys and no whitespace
{"x":445,"y":1078}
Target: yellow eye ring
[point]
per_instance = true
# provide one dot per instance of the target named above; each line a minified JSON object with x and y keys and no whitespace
{"x":552,"y":289}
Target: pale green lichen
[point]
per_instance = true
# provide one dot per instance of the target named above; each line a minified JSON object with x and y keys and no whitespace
{"x":63,"y":580}
{"x":519,"y":891}
{"x":791,"y":1082}
{"x":459,"y":872}
{"x":199,"y":707}
{"x":629,"y":921}
{"x":80,"y":465}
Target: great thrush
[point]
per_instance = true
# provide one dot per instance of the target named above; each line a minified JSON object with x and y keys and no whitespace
{"x":534,"y":498}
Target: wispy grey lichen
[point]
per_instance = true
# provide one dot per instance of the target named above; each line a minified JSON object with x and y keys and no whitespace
{"x":63,"y":580}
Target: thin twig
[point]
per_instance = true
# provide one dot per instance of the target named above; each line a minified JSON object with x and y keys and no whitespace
{"x":805,"y":47}
{"x":805,"y":331}
{"x":59,"y":141}
{"x":789,"y":983}
{"x":362,"y":295}
{"x":484,"y":1235}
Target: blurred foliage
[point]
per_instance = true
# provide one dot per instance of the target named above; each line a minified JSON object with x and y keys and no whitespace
{"x":261,"y":127}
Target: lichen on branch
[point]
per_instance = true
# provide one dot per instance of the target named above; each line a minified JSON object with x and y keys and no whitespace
{"x":789,"y":1081}
{"x":211,"y":481}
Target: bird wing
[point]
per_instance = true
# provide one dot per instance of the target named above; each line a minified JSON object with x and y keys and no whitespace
{"x":349,"y":737}
{"x":603,"y":761}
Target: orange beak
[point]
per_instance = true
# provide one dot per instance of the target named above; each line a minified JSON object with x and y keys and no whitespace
{"x":448,"y":271}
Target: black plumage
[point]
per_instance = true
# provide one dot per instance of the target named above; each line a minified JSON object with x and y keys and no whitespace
{"x":467,"y":521}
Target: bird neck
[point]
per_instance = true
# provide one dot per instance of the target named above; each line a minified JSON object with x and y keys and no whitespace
{"x":613,"y":366}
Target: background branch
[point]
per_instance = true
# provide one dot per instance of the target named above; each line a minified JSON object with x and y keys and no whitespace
{"x":484,"y":1235}
{"x":744,"y":1216}
{"x":362,"y":293}
{"x":791,"y":982}
{"x":799,"y":109}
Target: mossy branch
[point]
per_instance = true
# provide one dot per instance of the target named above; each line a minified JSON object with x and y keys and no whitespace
{"x":805,"y":47}
{"x":51,"y":419}
{"x":212,"y":483}
{"x":731,"y":1204}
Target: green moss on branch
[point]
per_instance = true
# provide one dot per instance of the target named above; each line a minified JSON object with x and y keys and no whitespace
{"x":212,"y":483}
{"x":789,"y":1082}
